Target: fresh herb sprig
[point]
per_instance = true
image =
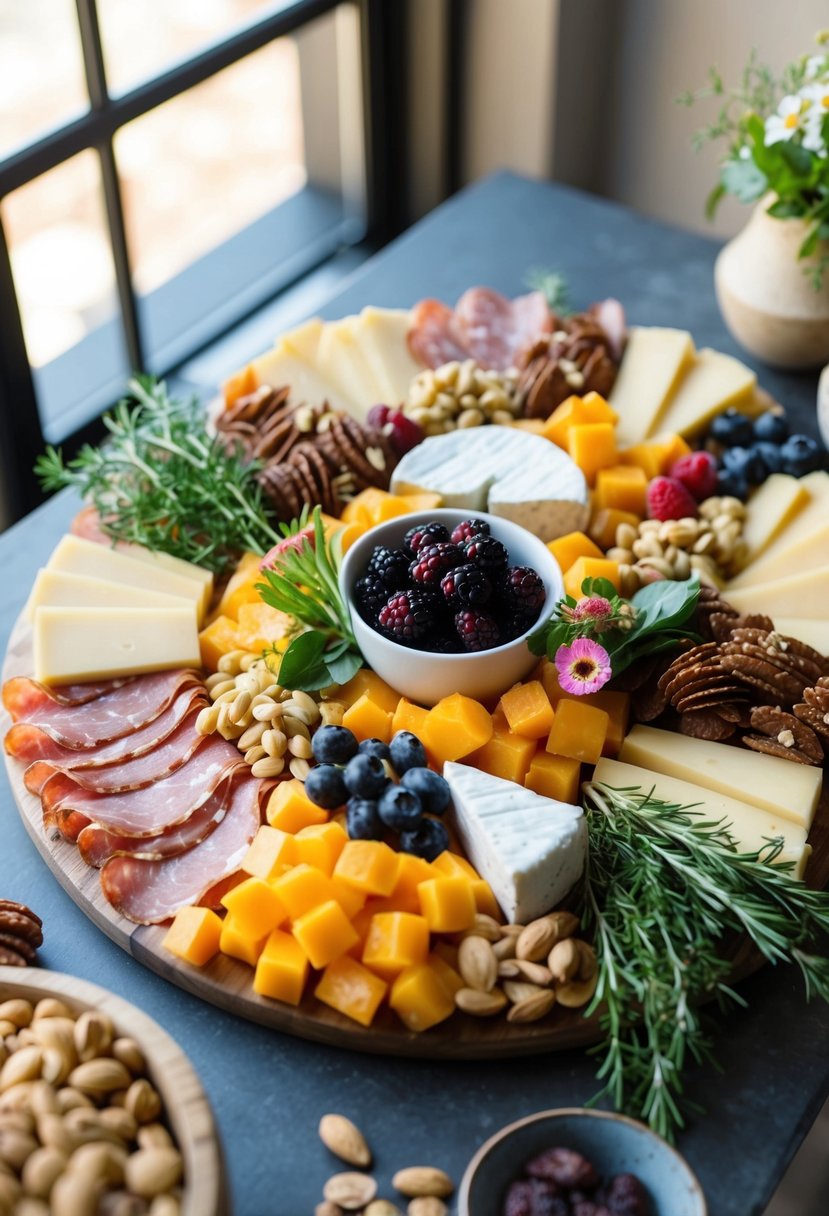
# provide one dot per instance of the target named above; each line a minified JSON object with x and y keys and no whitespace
{"x":665,"y":890}
{"x":553,"y":286}
{"x":161,"y":480}
{"x":303,"y":582}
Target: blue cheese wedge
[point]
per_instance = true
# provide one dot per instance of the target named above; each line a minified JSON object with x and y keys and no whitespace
{"x":531,"y":850}
{"x":519,"y":476}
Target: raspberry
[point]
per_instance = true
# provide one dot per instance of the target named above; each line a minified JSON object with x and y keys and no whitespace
{"x":425,"y":534}
{"x":433,"y":561}
{"x":669,"y":499}
{"x":403,"y":431}
{"x":469,"y":528}
{"x":487,"y":552}
{"x":466,"y":586}
{"x":476,"y":630}
{"x":524,"y":589}
{"x":408,"y":616}
{"x":698,"y":473}
{"x":391,"y":566}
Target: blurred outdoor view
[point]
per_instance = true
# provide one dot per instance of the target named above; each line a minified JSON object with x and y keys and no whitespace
{"x":194,"y":171}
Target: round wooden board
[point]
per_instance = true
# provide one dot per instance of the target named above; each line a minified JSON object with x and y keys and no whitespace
{"x":227,"y":983}
{"x":185,"y":1102}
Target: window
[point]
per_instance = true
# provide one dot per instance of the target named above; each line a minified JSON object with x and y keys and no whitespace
{"x":164,"y":171}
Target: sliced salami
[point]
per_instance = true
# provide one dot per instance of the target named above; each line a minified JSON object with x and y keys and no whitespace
{"x":23,"y":697}
{"x":494,"y":329}
{"x":431,"y":337}
{"x":149,"y":892}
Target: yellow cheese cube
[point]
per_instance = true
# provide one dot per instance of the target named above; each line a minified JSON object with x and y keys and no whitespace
{"x":409,"y":717}
{"x":324,"y":932}
{"x":557,"y":777}
{"x":194,"y":935}
{"x":446,"y":970}
{"x":578,"y":731}
{"x":351,"y":989}
{"x":241,"y":587}
{"x":592,"y":445}
{"x":301,"y":888}
{"x":282,"y":969}
{"x":623,"y":486}
{"x":369,"y":865}
{"x":320,"y":844}
{"x":420,"y":998}
{"x":255,"y":907}
{"x":289,"y":809}
{"x":589,"y":567}
{"x":395,"y":940}
{"x":367,"y":683}
{"x":568,"y":549}
{"x":350,"y":899}
{"x":447,"y":903}
{"x":411,"y":872}
{"x":368,"y":720}
{"x":238,"y":944}
{"x":271,"y":851}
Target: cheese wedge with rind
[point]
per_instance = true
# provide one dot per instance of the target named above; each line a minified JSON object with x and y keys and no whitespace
{"x":808,"y":525}
{"x":340,"y":359}
{"x":805,"y":594}
{"x":382,"y":334}
{"x":281,"y":366}
{"x":750,"y":826}
{"x":654,"y":362}
{"x":78,"y":644}
{"x":769,"y":511}
{"x":175,"y":565}
{"x":55,"y":589}
{"x":714,"y":382}
{"x":769,"y":782}
{"x":303,"y":340}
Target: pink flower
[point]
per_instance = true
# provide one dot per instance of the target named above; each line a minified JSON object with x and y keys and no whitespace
{"x":593,"y":607}
{"x":583,"y":667}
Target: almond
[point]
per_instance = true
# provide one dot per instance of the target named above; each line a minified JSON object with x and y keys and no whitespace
{"x":100,"y":1076}
{"x":505,"y":948}
{"x":152,"y":1171}
{"x":420,"y":1180}
{"x":509,"y":969}
{"x":576,"y":993}
{"x":536,"y":973}
{"x":350,"y":1191}
{"x":344,"y":1139}
{"x":588,"y":963}
{"x":480,"y":1004}
{"x":519,"y":990}
{"x":533,"y":1007}
{"x":427,"y":1205}
{"x":477,"y":964}
{"x":18,"y":1011}
{"x":485,"y":926}
{"x":564,"y":960}
{"x":537,"y":940}
{"x":564,"y":923}
{"x":23,"y":1065}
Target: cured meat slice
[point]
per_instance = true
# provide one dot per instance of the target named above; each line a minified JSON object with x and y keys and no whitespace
{"x":22,"y":696}
{"x":146,"y":811}
{"x":610,"y":315}
{"x":113,"y":715}
{"x":46,"y":756}
{"x":431,"y":337}
{"x":87,"y":524}
{"x":494,"y":329}
{"x":152,"y":891}
{"x":97,"y":845}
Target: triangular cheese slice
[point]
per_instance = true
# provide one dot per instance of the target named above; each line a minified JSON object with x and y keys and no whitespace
{"x":530,"y":849}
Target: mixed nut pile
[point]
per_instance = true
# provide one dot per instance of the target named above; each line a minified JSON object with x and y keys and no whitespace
{"x":21,"y":933}
{"x":458,"y":395}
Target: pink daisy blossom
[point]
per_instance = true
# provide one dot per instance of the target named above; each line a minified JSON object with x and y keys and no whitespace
{"x":583,"y":667}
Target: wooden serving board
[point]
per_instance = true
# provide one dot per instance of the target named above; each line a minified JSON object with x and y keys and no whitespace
{"x":227,"y":983}
{"x":185,"y":1103}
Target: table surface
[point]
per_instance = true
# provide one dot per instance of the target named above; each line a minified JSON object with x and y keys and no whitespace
{"x":269,"y":1091}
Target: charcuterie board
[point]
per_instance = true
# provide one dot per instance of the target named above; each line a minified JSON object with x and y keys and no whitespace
{"x":226,"y":983}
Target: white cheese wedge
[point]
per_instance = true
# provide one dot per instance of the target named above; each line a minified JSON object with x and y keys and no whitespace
{"x":804,"y":594}
{"x":769,"y":782}
{"x":54,"y":589}
{"x":808,"y":525}
{"x":653,"y":364}
{"x":531,"y":850}
{"x":769,"y":510}
{"x":76,"y":644}
{"x":382,"y":334}
{"x":340,"y":359}
{"x":281,"y":367}
{"x":784,"y":562}
{"x":74,"y":555}
{"x":713,"y":383}
{"x":175,"y":565}
{"x":511,"y":473}
{"x":813,"y":633}
{"x":303,"y":340}
{"x":750,"y":827}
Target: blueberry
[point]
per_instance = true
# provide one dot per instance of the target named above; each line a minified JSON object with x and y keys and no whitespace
{"x":399,"y":808}
{"x":428,"y":840}
{"x":374,"y":747}
{"x":746,"y":463}
{"x":365,"y":776}
{"x":770,"y":454}
{"x":430,"y":787}
{"x":325,"y":786}
{"x":333,"y":745}
{"x":801,"y":454}
{"x":732,"y":484}
{"x":732,"y":429}
{"x":772,"y":428}
{"x":361,"y":819}
{"x":406,"y":752}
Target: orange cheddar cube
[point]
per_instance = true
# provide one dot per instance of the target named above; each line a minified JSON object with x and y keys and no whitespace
{"x":411,"y":873}
{"x":262,"y":627}
{"x":239,"y":385}
{"x":271,"y":852}
{"x":194,"y":935}
{"x":527,"y":709}
{"x":485,"y":900}
{"x":425,"y":500}
{"x":590,"y":567}
{"x":217,"y":639}
{"x":445,"y":970}
{"x":448,"y":904}
{"x":568,"y":549}
{"x":623,"y":486}
{"x":395,"y":940}
{"x":241,"y":587}
{"x":557,"y":777}
{"x":320,"y":844}
{"x":505,"y":755}
{"x":324,"y":932}
{"x":289,"y":810}
{"x":282,"y":969}
{"x":238,"y":944}
{"x":456,"y":727}
{"x":592,"y":446}
{"x":579,"y":731}
{"x":367,"y":683}
{"x":351,"y":989}
{"x":675,"y":448}
{"x":369,"y":865}
{"x":453,"y":866}
{"x":301,"y":888}
{"x":420,"y":998}
{"x":368,"y":720}
{"x":605,"y":522}
{"x":409,"y":717}
{"x":255,"y":907}
{"x":577,"y":411}
{"x":349,"y":898}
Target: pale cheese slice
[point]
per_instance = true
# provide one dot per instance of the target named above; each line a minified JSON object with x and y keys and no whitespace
{"x":813,"y":633}
{"x":280,"y":367}
{"x":78,"y":644}
{"x":750,"y":827}
{"x":382,"y":334}
{"x":176,"y":565}
{"x":769,"y":782}
{"x":804,"y":594}
{"x":773,"y":566}
{"x":770,"y":510}
{"x":808,"y":525}
{"x":303,"y":340}
{"x":713,"y":383}
{"x":653,"y":364}
{"x":340,"y":359}
{"x":54,"y":589}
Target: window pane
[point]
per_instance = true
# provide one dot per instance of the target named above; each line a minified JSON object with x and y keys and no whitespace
{"x":142,"y":37}
{"x":65,"y":283}
{"x":41,"y":69}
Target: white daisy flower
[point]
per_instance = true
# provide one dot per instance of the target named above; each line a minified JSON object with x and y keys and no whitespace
{"x":787,"y":121}
{"x":816,"y":66}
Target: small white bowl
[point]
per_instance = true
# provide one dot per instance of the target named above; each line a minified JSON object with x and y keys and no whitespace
{"x":425,"y":677}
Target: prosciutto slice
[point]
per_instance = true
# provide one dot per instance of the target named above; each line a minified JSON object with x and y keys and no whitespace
{"x":23,"y":697}
{"x":430,"y":336}
{"x":152,"y":891}
{"x":146,"y":811}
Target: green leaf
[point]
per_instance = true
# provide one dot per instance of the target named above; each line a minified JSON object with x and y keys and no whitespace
{"x":303,"y":663}
{"x":798,"y":158}
{"x":809,"y":245}
{"x":713,"y":200}
{"x":784,"y":209}
{"x":343,"y":667}
{"x":744,"y":180}
{"x":599,"y":586}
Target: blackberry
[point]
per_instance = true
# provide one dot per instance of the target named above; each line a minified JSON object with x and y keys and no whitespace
{"x":408,"y":616}
{"x":476,"y":630}
{"x":469,"y":528}
{"x":444,"y":643}
{"x":433,"y":561}
{"x":524,"y":589}
{"x":487,"y":553}
{"x":389,"y":565}
{"x":513,"y":624}
{"x":371,"y":593}
{"x":425,"y":534}
{"x":466,"y":587}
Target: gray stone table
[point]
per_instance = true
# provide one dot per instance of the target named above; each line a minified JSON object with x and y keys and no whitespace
{"x":269,"y":1091}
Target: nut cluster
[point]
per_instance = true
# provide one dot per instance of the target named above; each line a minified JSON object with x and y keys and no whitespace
{"x":21,"y":932}
{"x":80,"y":1123}
{"x":710,"y":544}
{"x":461,"y":395}
{"x":270,"y":725}
{"x":530,"y":968}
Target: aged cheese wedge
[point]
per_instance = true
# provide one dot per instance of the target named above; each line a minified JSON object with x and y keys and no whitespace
{"x":808,"y":525}
{"x":769,"y":782}
{"x":713,"y":383}
{"x":531,"y":850}
{"x":340,"y":359}
{"x":382,"y":334}
{"x":76,"y":644}
{"x":750,"y":826}
{"x":175,"y":565}
{"x":54,"y":589}
{"x":282,"y":366}
{"x":782,"y":563}
{"x":654,"y":362}
{"x":805,"y":594}
{"x":303,"y":340}
{"x":74,"y":555}
{"x":813,"y":633}
{"x":775,"y":504}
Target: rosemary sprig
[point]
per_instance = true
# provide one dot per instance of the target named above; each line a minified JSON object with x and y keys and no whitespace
{"x":665,"y":888}
{"x":161,"y":480}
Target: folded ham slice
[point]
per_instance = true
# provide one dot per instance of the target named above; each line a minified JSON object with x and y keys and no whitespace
{"x":23,"y":696}
{"x":149,"y":892}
